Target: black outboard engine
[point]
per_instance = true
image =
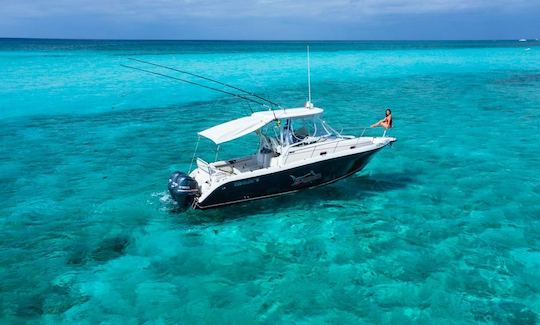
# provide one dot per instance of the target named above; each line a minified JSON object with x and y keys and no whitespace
{"x":183,"y":188}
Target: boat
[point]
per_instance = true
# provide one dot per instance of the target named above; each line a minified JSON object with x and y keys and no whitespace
{"x":522,"y":40}
{"x":296,"y":150}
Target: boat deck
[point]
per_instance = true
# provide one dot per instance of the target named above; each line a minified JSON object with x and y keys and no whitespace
{"x":237,"y":166}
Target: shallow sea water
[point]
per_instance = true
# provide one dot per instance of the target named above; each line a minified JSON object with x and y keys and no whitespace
{"x":442,"y":227}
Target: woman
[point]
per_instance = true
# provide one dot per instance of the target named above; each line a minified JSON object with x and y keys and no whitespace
{"x":386,"y":122}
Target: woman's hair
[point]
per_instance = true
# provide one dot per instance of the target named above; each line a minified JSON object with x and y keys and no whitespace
{"x":389,"y":110}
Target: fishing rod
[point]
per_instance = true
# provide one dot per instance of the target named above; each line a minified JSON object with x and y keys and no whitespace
{"x":197,"y":84}
{"x":208,"y":79}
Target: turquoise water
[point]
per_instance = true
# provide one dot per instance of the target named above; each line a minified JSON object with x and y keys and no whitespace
{"x":442,"y":227}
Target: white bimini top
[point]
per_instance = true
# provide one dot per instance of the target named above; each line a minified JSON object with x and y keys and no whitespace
{"x":238,"y":128}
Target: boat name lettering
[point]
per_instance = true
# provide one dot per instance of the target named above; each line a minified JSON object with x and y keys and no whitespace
{"x":247,"y":181}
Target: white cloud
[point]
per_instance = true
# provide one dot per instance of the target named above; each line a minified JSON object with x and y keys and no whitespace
{"x":296,"y":9}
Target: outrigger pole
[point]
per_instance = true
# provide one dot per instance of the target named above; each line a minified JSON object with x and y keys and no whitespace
{"x":197,"y":84}
{"x":208,"y":79}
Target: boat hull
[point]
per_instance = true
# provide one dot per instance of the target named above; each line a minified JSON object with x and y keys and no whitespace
{"x":287,"y":181}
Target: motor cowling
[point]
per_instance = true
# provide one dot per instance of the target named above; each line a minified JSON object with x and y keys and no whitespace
{"x":183,"y":188}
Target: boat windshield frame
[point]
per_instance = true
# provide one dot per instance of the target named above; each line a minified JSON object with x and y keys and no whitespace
{"x":312,"y":129}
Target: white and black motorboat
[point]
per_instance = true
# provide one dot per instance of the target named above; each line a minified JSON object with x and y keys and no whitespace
{"x":297,"y":150}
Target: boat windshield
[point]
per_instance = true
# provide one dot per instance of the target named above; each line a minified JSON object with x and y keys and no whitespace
{"x":293,"y":131}
{"x":311,"y":127}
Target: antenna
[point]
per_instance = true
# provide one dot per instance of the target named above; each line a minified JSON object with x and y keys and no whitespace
{"x":308,"y":79}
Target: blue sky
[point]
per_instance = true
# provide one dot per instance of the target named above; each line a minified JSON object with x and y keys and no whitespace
{"x":271,"y":19}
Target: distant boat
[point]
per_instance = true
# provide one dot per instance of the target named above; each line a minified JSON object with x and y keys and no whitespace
{"x":522,"y":40}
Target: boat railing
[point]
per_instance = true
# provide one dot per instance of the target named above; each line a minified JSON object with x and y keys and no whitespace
{"x":207,"y":168}
{"x":364,"y":130}
{"x":298,"y":146}
{"x":204,"y":166}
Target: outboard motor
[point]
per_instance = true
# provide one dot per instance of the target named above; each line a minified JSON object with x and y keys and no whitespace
{"x":183,"y":188}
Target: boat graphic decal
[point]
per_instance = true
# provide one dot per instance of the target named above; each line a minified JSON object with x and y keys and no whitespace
{"x":307,"y":178}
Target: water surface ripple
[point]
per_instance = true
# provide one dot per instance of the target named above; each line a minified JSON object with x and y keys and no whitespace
{"x":441,"y":227}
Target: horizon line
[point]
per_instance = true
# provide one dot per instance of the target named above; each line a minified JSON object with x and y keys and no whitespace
{"x":263,"y":40}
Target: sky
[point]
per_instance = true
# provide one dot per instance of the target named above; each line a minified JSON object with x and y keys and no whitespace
{"x":271,"y":19}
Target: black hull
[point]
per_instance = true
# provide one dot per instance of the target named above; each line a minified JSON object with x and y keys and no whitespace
{"x":287,"y":181}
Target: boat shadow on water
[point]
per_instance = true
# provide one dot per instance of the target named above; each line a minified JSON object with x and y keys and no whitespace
{"x":339,"y":195}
